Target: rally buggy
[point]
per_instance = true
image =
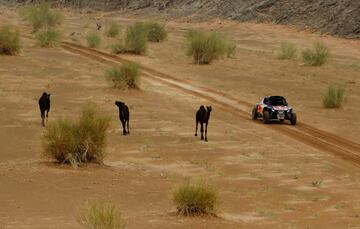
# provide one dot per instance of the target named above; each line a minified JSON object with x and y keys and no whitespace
{"x":273,"y":108}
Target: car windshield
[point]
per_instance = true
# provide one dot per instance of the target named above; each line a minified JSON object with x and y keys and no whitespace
{"x":277,"y":101}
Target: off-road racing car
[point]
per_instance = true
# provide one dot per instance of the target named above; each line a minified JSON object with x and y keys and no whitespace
{"x":273,"y":108}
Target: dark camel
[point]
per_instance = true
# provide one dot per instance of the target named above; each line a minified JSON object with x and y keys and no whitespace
{"x":202,"y":117}
{"x":44,"y":105}
{"x":124,"y":116}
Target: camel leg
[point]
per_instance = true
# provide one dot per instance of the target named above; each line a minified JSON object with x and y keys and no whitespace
{"x":128,"y":126}
{"x":196,"y":128}
{"x":202,"y":131}
{"x":206,"y":125}
{"x":43,"y":118}
{"x":123,"y":125}
{"x":47,"y":115}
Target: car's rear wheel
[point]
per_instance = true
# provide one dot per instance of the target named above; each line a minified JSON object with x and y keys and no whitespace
{"x":254,"y":114}
{"x":293,"y":119}
{"x":266,"y":117}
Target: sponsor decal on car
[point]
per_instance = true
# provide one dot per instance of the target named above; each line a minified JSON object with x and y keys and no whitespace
{"x":281,"y":108}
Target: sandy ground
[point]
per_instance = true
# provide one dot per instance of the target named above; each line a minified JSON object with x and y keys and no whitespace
{"x":265,"y":179}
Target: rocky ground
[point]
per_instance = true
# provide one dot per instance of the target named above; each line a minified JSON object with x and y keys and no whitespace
{"x":336,"y":17}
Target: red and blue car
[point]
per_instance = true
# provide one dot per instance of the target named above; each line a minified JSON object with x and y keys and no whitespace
{"x":273,"y":108}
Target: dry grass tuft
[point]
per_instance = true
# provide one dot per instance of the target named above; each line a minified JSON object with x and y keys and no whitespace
{"x":195,"y":198}
{"x":317,"y":56}
{"x":41,"y":16}
{"x":334,"y":97}
{"x":48,"y":37}
{"x":101,"y":215}
{"x":93,"y":40}
{"x":124,"y":77}
{"x":9,"y":40}
{"x":287,"y":51}
{"x":83,"y":141}
{"x":205,"y":47}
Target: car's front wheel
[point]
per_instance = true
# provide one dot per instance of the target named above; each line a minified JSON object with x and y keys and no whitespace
{"x":293,"y":119}
{"x":254,"y":114}
{"x":266,"y":117}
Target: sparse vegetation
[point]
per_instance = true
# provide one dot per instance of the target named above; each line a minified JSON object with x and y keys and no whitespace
{"x":48,"y":37}
{"x":41,"y":16}
{"x":136,"y":40}
{"x":78,"y":142}
{"x":230,"y":49}
{"x":93,"y":40}
{"x":9,"y":40}
{"x":118,"y":47}
{"x":112,"y":29}
{"x":155,"y":31}
{"x":124,"y":77}
{"x":287,"y":51}
{"x":195,"y":198}
{"x":101,"y":215}
{"x":317,"y":56}
{"x":335,"y":96}
{"x":205,"y":47}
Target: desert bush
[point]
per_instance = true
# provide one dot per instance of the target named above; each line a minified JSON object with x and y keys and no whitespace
{"x":112,"y":29}
{"x":195,"y":198}
{"x":230,"y":49}
{"x":77,"y":142}
{"x":155,"y":31}
{"x":118,"y":47}
{"x":316,"y":56}
{"x":124,"y":77}
{"x":41,"y":16}
{"x":93,"y":40}
{"x":101,"y":215}
{"x":205,"y":47}
{"x":287,"y":51}
{"x":136,"y":40}
{"x":335,"y":96}
{"x":47,"y":37}
{"x":9,"y":40}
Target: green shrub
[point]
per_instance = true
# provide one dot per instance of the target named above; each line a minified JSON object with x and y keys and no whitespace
{"x":316,"y":56}
{"x":101,"y":215}
{"x":124,"y":77}
{"x":334,"y":97}
{"x":9,"y":40}
{"x":93,"y":40}
{"x":195,"y":198}
{"x":136,"y":40}
{"x":287,"y":51}
{"x":155,"y":32}
{"x":77,"y":142}
{"x":205,"y":47}
{"x":48,"y":37}
{"x":118,"y":47}
{"x":112,"y":29}
{"x":41,"y":16}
